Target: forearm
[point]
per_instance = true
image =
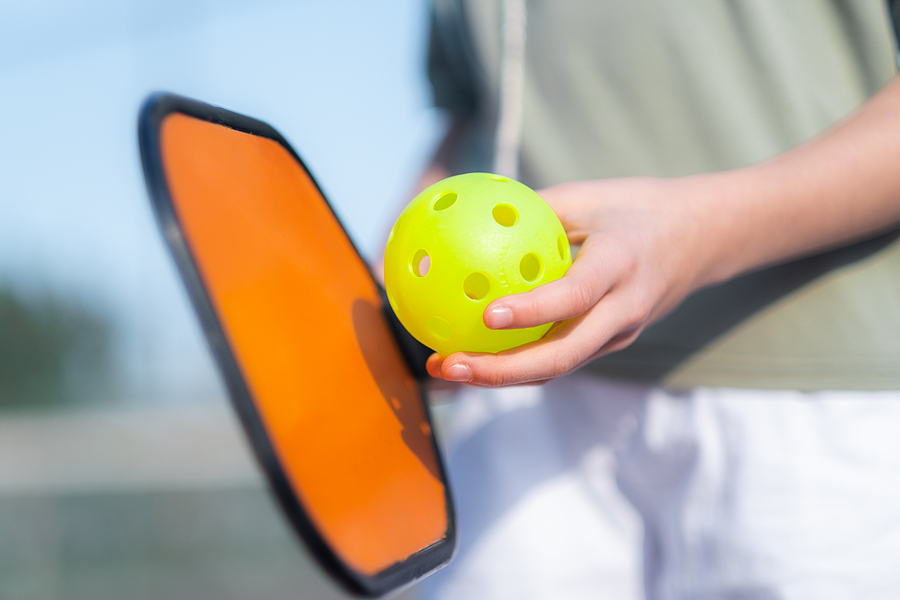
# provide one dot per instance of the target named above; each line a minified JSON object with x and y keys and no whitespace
{"x":646,"y":244}
{"x":838,"y":188}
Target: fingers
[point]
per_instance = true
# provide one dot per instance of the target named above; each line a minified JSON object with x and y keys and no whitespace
{"x":433,"y":365}
{"x":567,"y":347}
{"x":587,"y":280}
{"x":576,"y":205}
{"x":568,"y":215}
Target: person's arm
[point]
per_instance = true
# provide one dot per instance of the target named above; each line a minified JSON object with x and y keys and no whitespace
{"x":647,"y":243}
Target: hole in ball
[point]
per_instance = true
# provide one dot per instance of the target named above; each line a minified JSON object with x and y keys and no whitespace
{"x":531,"y":267}
{"x":476,"y":286}
{"x":562,"y":245}
{"x":505,"y":215}
{"x":497,"y":177}
{"x":439,"y":328}
{"x":444,"y":201}
{"x":420,"y":264}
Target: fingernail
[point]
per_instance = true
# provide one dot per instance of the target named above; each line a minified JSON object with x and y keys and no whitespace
{"x":501,"y":317}
{"x":459,"y":373}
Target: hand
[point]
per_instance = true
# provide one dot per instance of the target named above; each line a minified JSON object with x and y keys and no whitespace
{"x":648,"y":243}
{"x":642,"y":252}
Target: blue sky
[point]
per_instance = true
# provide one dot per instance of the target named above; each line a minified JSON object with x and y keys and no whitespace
{"x":342,"y":80}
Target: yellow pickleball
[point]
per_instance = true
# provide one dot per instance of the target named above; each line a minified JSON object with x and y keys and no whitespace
{"x":462,"y":243}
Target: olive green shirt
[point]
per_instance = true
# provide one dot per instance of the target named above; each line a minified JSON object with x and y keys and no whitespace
{"x":673,"y":87}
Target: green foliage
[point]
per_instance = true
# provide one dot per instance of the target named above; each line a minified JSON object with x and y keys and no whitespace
{"x":53,"y":350}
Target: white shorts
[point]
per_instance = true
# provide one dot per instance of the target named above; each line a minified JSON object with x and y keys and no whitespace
{"x":585,"y":488}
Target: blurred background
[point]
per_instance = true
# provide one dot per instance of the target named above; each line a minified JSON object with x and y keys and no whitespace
{"x":122,"y":470}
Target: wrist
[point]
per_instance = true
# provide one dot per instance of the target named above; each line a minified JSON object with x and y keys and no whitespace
{"x":723,"y":211}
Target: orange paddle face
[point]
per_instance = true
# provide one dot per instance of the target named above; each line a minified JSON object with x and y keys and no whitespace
{"x":303,"y":321}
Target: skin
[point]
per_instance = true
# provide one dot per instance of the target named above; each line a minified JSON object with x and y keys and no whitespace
{"x":646,"y":244}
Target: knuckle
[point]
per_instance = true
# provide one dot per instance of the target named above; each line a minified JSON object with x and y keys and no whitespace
{"x":582,"y":297}
{"x":493,"y":378}
{"x":628,"y":262}
{"x":638,"y":311}
{"x":564,"y":361}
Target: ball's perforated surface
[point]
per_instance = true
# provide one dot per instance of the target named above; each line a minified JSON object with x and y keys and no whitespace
{"x":459,"y":245}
